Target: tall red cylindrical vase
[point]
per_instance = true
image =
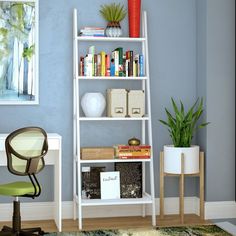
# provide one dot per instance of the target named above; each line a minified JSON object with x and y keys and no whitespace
{"x":134,"y":7}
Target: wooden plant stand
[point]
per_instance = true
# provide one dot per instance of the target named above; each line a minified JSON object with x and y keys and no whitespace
{"x":181,"y":185}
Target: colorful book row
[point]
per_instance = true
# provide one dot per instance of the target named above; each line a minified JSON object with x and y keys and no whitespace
{"x":117,"y":64}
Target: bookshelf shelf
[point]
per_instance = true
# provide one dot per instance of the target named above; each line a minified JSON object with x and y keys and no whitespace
{"x":111,"y":78}
{"x":144,"y":123}
{"x":113,"y":118}
{"x":110,"y":39}
{"x":113,"y":161}
{"x":146,"y":199}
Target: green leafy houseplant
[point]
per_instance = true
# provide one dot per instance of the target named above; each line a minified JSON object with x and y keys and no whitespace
{"x":182,"y":125}
{"x":113,"y":12}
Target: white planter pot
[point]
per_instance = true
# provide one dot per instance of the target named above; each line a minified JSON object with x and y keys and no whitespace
{"x":172,"y":159}
{"x":93,"y":104}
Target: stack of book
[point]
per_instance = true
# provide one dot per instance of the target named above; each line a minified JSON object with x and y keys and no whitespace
{"x":92,"y":31}
{"x":118,"y":63}
{"x":133,"y":152}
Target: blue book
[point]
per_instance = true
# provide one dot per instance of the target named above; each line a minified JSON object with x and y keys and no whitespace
{"x":112,"y":67}
{"x":141,"y":65}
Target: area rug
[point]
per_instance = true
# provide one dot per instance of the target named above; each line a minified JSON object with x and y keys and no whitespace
{"x":208,"y":230}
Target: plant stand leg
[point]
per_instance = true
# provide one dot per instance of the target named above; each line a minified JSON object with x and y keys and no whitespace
{"x":201,"y":190}
{"x":161,"y":185}
{"x":181,"y":190}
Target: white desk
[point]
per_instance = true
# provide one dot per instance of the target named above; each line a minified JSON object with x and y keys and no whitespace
{"x":54,"y":144}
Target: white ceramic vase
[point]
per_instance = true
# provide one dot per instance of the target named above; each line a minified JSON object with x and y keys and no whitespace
{"x":93,"y":104}
{"x":172,"y":159}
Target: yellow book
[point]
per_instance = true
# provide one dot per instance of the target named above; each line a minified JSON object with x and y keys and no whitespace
{"x":103,"y":63}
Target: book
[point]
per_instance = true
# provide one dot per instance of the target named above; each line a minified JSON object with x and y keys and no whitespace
{"x":112,"y":67}
{"x":120,"y":61}
{"x":103,"y":63}
{"x":89,"y":65}
{"x":110,"y":185}
{"x":124,"y":65}
{"x":141,"y":64}
{"x":131,"y":58}
{"x":107,"y":58}
{"x":92,"y":31}
{"x":115,"y":56}
{"x":95,"y":65}
{"x":137,"y":65}
{"x":81,"y":66}
{"x":129,"y":147}
{"x":99,"y":65}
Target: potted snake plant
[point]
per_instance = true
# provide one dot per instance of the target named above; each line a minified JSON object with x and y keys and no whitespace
{"x":182,"y":126}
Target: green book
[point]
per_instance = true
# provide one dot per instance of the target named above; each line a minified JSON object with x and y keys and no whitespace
{"x":120,"y":52}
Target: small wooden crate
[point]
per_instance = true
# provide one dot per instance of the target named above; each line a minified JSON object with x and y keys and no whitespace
{"x":97,"y":153}
{"x":136,"y":103}
{"x":116,"y":102}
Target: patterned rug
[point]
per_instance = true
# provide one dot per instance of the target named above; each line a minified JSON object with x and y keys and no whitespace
{"x":208,"y":230}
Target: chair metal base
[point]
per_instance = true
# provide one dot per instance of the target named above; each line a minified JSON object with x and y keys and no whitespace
{"x":16,"y":225}
{"x":23,"y":232}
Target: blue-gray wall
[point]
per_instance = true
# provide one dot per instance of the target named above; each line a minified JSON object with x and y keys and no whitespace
{"x":216,"y":82}
{"x":173,"y":45}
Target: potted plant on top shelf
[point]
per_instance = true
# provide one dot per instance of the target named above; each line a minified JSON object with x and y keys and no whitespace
{"x":182,"y":126}
{"x":113,"y":13}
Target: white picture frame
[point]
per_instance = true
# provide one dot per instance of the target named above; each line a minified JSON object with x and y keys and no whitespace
{"x":19,"y":52}
{"x":110,"y":185}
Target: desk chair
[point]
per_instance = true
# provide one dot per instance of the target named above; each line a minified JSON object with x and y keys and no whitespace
{"x":25,"y":150}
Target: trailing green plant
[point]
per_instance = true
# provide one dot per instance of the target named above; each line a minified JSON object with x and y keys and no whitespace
{"x":182,"y":125}
{"x":113,"y":12}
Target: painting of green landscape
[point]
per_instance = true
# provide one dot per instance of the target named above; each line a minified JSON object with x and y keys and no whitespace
{"x":18,"y":52}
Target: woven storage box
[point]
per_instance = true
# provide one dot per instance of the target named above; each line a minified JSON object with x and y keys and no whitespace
{"x":116,"y":102}
{"x":130,"y":179}
{"x":95,"y":153}
{"x":136,"y":103}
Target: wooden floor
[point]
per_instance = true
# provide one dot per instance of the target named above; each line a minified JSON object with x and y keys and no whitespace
{"x":114,"y":223}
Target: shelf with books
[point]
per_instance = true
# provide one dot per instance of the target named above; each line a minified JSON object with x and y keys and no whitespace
{"x":146,"y":199}
{"x":110,"y":39}
{"x":116,"y":63}
{"x":113,"y":118}
{"x":111,"y":78}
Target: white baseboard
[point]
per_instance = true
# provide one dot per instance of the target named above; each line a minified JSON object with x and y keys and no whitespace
{"x":44,"y":210}
{"x":220,"y":210}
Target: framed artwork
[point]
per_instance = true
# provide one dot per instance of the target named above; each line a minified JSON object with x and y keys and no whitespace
{"x":19,"y":83}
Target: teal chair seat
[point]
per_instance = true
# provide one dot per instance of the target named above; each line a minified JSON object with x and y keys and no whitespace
{"x":17,"y":188}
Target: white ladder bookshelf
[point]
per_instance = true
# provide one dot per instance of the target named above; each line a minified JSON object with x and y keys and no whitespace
{"x":147,"y":198}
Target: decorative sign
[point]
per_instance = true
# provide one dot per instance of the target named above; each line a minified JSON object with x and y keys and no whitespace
{"x":110,"y":185}
{"x":19,"y":52}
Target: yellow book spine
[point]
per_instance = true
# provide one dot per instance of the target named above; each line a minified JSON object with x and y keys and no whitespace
{"x":103,"y":63}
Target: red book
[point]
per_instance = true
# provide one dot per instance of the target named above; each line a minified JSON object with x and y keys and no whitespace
{"x":131,"y":157}
{"x":81,"y":66}
{"x":107,"y":59}
{"x":134,"y":147}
